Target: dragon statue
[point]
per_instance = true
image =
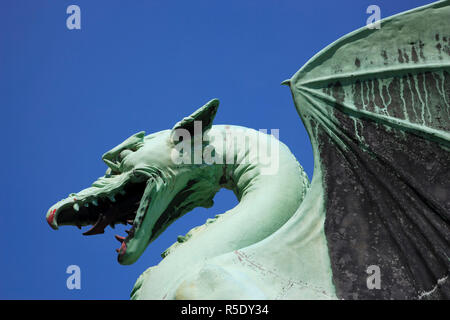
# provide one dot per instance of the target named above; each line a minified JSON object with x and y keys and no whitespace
{"x":376,"y":105}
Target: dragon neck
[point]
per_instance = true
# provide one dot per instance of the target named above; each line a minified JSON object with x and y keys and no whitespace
{"x":269,"y":186}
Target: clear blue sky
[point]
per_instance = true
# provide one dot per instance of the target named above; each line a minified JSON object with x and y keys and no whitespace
{"x":67,"y":96}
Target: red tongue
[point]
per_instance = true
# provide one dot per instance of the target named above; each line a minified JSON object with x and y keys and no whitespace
{"x":99,"y":226}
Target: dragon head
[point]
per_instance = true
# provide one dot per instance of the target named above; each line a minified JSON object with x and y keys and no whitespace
{"x":143,"y":186}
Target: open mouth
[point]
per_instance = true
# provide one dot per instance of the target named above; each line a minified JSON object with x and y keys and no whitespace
{"x":103,"y":211}
{"x":107,"y":208}
{"x":140,"y":199}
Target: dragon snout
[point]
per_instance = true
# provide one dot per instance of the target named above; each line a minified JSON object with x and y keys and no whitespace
{"x":51,"y":218}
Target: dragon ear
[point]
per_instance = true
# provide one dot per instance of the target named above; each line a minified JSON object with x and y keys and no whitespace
{"x":205,"y":115}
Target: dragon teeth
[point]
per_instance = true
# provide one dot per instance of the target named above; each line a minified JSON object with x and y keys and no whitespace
{"x":111,"y":197}
{"x":119,"y":238}
{"x":122,"y":192}
{"x":76,"y":207}
{"x":94,"y":202}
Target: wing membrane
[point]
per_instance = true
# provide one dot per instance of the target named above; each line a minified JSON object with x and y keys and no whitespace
{"x":376,"y":105}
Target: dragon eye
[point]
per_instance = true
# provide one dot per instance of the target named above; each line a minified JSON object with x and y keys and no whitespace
{"x":123,"y":154}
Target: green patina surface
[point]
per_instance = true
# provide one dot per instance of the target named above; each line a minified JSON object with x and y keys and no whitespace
{"x":367,"y":101}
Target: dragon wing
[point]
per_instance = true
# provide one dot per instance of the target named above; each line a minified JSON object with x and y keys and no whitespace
{"x":376,"y":105}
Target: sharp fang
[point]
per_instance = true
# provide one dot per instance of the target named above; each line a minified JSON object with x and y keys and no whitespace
{"x":86,"y":204}
{"x":94,"y":202}
{"x":122,"y":192}
{"x":119,"y":238}
{"x":76,"y":207}
{"x":130,"y":221}
{"x":111,"y":197}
